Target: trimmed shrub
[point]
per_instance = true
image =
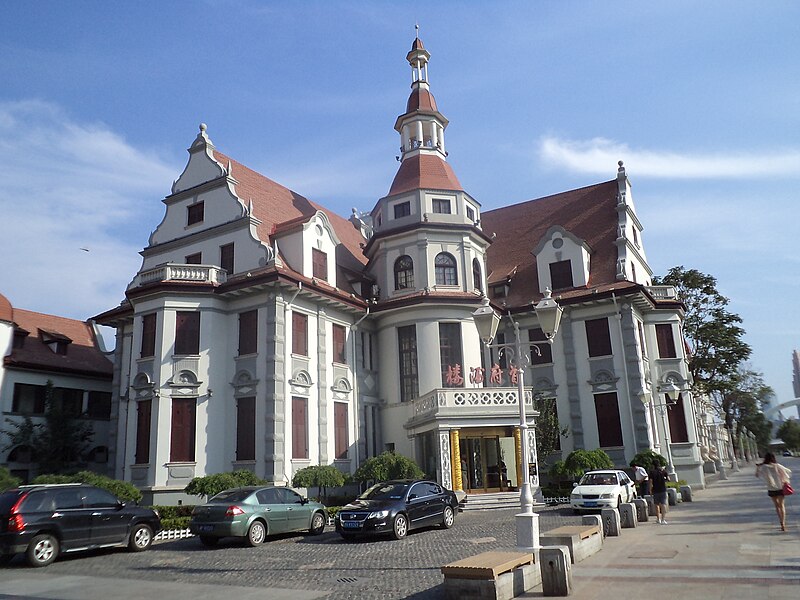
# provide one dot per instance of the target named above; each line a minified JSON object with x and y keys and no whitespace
{"x":387,"y":465}
{"x":127,"y":492}
{"x":319,"y":476}
{"x":580,"y":461}
{"x":647,"y":459}
{"x":175,"y":523}
{"x":174,"y":512}
{"x":7,"y":480}
{"x":211,"y":485}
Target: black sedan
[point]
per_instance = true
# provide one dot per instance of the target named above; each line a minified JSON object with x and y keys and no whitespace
{"x":396,"y":507}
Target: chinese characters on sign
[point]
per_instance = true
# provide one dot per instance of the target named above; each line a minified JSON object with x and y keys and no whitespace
{"x":477,"y":375}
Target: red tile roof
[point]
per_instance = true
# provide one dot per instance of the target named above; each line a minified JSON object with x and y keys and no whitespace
{"x":83,"y":353}
{"x":417,"y":44}
{"x":424,"y":171}
{"x":589,"y":213}
{"x":421,"y":100}
{"x":6,"y":312}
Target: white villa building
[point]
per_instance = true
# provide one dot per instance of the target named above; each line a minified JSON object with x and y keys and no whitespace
{"x":265,"y":332}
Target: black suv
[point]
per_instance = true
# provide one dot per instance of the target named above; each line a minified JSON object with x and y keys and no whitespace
{"x":44,"y":520}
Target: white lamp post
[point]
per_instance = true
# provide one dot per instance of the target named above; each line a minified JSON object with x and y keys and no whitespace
{"x":486,"y":321}
{"x":673,"y":393}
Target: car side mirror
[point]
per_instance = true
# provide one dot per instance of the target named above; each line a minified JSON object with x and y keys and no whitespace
{"x":412,"y":496}
{"x":574,"y":484}
{"x":303,"y":501}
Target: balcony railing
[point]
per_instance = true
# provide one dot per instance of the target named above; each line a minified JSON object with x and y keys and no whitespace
{"x":663,"y":292}
{"x":176,"y":272}
{"x":464,"y":399}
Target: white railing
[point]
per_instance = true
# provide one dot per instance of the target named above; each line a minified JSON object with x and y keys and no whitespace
{"x":458,"y":398}
{"x":663,"y":292}
{"x":177,"y":272}
{"x":173,"y":534}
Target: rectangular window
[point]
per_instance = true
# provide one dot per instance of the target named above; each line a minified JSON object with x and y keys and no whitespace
{"x":182,"y":437}
{"x":641,"y":339}
{"x":69,"y":400}
{"x":99,"y":405}
{"x":364,"y":349}
{"x":441,"y":206}
{"x":319,"y":265}
{"x":598,"y":337}
{"x":409,"y":374}
{"x":299,"y":428}
{"x":608,"y":424}
{"x":340,"y":434}
{"x":545,"y":354}
{"x":339,"y":344}
{"x":248,"y":332}
{"x":226,"y":258}
{"x":402,"y":210}
{"x":246,"y":428}
{"x":470,"y":214}
{"x":142,"y":456}
{"x":194,"y":259}
{"x":561,"y":274}
{"x":299,"y":334}
{"x":677,"y":420}
{"x":194,"y":213}
{"x":28,"y":399}
{"x":187,"y":333}
{"x":666,"y":343}
{"x":450,"y":354}
{"x":148,"y":335}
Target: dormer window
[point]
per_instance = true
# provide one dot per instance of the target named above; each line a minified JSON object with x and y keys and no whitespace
{"x":470,"y":214}
{"x":55,"y":341}
{"x":441,"y":206}
{"x":445,"y":266}
{"x":19,"y":338}
{"x":561,"y":274}
{"x":319,"y":267}
{"x":404,"y":273}
{"x":402,"y":210}
{"x":194,"y":213}
{"x":499,"y":290}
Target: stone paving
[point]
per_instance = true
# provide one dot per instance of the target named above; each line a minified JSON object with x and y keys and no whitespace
{"x":376,"y":569}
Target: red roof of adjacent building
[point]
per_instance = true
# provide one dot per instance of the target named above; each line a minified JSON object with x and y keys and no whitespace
{"x":6,"y":312}
{"x":83,"y":354}
{"x":424,"y":171}
{"x":588,"y":213}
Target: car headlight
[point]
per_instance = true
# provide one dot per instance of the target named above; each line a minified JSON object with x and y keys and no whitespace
{"x":605,"y":496}
{"x":575,"y":495}
{"x":378,"y":514}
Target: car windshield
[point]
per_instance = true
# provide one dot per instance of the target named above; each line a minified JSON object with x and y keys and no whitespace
{"x":385,"y":491}
{"x":599,"y":479}
{"x":232,"y":496}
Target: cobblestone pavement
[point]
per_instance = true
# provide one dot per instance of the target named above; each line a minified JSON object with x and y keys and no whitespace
{"x":375,"y":569}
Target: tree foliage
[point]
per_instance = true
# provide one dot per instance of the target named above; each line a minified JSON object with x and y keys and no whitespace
{"x":57,"y":440}
{"x":648,"y":459}
{"x":789,"y":432}
{"x":387,"y":465}
{"x":7,"y":480}
{"x":211,"y":485}
{"x":319,"y":476}
{"x":548,"y":430}
{"x":580,"y":461}
{"x":125,"y":491}
{"x":713,"y":332}
{"x":742,"y":403}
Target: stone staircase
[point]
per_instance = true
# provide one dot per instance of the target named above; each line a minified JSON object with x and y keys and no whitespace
{"x":492,"y":501}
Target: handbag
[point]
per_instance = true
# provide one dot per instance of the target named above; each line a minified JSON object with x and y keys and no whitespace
{"x":788,"y":490}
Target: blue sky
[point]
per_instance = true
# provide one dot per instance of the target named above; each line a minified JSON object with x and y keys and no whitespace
{"x":99,"y":101}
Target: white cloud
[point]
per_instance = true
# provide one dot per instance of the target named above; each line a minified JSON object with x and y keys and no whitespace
{"x":68,"y":185}
{"x":597,"y":155}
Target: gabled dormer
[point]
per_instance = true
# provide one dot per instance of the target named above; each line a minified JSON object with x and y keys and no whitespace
{"x":55,"y":341}
{"x":308,"y":246}
{"x":563,"y":260}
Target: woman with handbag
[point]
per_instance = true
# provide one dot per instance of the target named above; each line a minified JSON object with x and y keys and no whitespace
{"x":776,"y":476}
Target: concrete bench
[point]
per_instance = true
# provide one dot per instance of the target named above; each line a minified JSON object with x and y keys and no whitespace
{"x":495,"y":575}
{"x":582,"y":540}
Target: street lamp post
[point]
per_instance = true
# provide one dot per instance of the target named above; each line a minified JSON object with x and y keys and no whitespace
{"x":486,"y":320}
{"x":673,"y":394}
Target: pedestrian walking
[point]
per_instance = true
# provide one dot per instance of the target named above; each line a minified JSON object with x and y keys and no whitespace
{"x":776,"y":476}
{"x":642,"y":479}
{"x":658,"y":485}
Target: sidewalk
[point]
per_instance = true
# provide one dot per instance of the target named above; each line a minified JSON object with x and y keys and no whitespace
{"x":726,"y":544}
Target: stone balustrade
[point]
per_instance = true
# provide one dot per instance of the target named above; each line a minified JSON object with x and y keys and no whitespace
{"x":209,"y":274}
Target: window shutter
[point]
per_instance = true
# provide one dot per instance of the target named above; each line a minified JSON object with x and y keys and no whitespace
{"x":598,"y":337}
{"x":143,"y":408}
{"x":666,"y":343}
{"x":299,"y":428}
{"x":246,"y":428}
{"x":342,"y":442}
{"x":608,"y":423}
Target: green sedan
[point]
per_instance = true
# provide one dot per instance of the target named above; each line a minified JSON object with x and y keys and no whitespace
{"x":253,"y":513}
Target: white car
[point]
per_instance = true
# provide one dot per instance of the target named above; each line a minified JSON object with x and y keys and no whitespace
{"x":602,"y":489}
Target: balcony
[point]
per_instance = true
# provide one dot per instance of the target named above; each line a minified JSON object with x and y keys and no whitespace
{"x":172,"y":272}
{"x":663,"y":292}
{"x":461,"y":403}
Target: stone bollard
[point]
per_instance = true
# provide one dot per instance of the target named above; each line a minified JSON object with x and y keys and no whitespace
{"x":627,"y":515}
{"x":594,"y":520}
{"x":651,"y":506}
{"x":672,"y":496}
{"x":556,"y":570}
{"x":686,"y":493}
{"x":641,"y":510}
{"x":611,"y":524}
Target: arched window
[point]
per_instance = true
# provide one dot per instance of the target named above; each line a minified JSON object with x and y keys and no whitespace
{"x":477,"y":280}
{"x":404,"y":273}
{"x":445,"y":266}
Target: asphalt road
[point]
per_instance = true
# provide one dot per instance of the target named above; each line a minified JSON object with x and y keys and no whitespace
{"x":296,"y":567}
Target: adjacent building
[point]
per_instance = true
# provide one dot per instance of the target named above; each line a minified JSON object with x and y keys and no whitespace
{"x":265,"y":332}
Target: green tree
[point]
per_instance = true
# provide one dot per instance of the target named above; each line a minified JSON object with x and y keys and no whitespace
{"x":57,"y":440}
{"x":548,"y":430}
{"x":387,"y":465}
{"x":125,"y":491}
{"x":211,"y":485}
{"x":7,"y":480}
{"x":789,"y":432}
{"x":580,"y":461}
{"x":740,"y":405}
{"x":648,"y":459}
{"x":319,"y":476}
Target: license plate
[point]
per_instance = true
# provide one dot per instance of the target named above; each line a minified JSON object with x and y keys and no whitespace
{"x":590,"y":503}
{"x":206,"y":528}
{"x":351,"y":524}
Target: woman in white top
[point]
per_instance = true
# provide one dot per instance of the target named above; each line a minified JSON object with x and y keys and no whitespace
{"x":774,"y":475}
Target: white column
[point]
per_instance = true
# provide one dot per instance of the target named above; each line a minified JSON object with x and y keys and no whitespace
{"x":434,"y":134}
{"x":441,"y":138}
{"x":420,"y":136}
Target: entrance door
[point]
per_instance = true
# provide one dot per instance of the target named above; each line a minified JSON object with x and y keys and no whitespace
{"x":482,"y":466}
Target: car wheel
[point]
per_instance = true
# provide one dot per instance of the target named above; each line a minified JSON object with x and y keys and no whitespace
{"x":208,"y":541}
{"x":317,"y":524}
{"x":256,"y":533}
{"x":448,"y":518}
{"x":400,"y":527}
{"x":141,"y":538}
{"x":42,"y":550}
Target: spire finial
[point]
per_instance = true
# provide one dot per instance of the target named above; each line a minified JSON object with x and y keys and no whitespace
{"x":416,"y":28}
{"x":621,"y":167}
